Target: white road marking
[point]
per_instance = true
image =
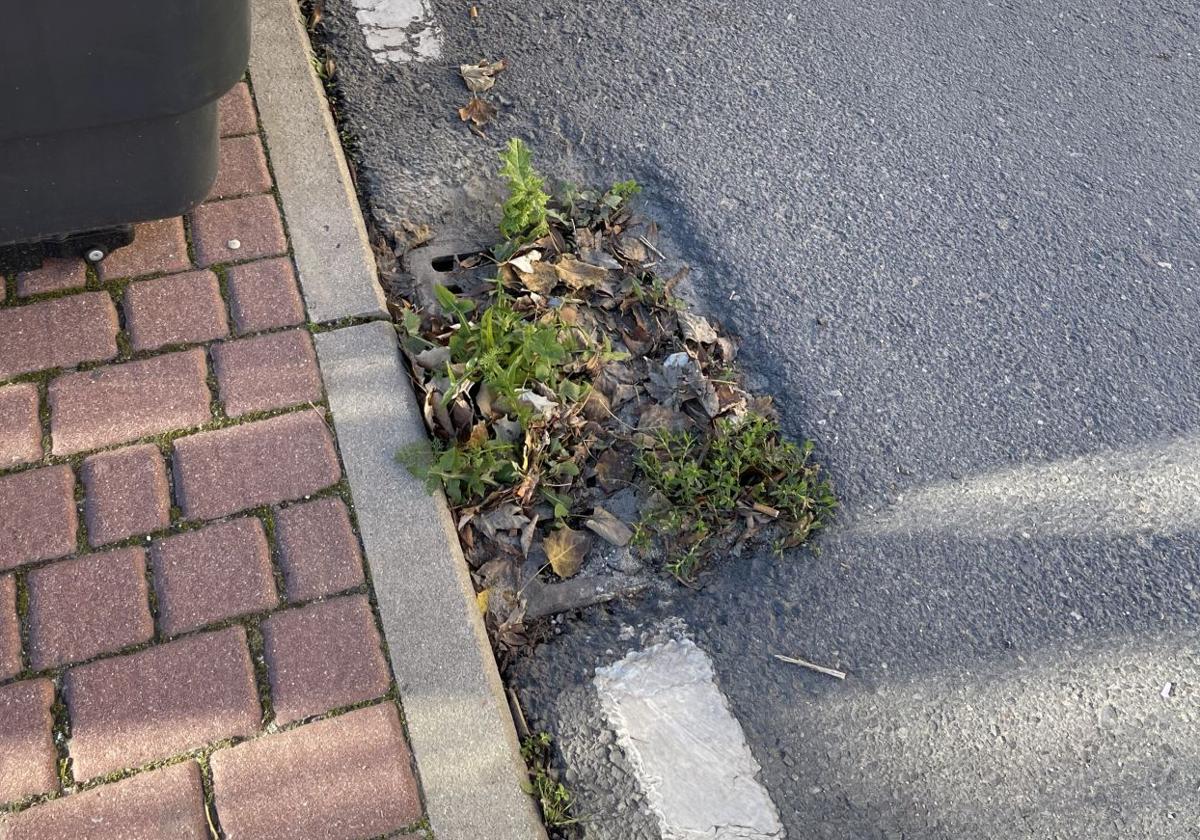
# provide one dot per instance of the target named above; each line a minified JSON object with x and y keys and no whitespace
{"x":686,"y":747}
{"x":399,"y":30}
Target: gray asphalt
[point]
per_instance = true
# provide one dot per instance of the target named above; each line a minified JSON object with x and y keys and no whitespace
{"x":961,"y":242}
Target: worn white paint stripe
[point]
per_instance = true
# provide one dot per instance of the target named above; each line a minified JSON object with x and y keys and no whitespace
{"x":399,"y":30}
{"x":686,"y":747}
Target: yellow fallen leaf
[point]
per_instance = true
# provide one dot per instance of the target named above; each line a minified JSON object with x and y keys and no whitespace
{"x":566,"y":549}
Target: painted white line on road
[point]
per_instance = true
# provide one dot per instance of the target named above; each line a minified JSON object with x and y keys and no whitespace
{"x":687,"y":749}
{"x":399,"y":30}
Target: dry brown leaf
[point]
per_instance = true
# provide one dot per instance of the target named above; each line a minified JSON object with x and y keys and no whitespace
{"x":580,"y":275}
{"x":697,"y":328}
{"x":595,"y":407}
{"x":479,"y":434}
{"x":566,"y":550}
{"x":614,"y":470}
{"x":542,"y":278}
{"x":477,"y":113}
{"x":507,"y":517}
{"x":609,"y":528}
{"x":435,"y":358}
{"x":482,"y":76}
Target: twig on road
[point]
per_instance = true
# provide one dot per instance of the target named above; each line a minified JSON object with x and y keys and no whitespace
{"x":821,"y":669}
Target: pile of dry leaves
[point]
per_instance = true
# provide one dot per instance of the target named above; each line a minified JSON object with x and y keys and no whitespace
{"x":547,"y":378}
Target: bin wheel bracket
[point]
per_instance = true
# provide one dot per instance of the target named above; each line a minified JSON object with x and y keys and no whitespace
{"x":93,"y":246}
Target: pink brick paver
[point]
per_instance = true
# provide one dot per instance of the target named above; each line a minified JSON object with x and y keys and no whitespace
{"x":263,"y":296}
{"x":243,"y":169}
{"x":237,"y":112}
{"x":352,"y":773}
{"x":261,"y":463}
{"x":253,"y":224}
{"x":88,"y":606}
{"x":125,"y":494}
{"x":10,"y":630}
{"x":55,"y":275}
{"x":266,"y":372}
{"x":318,"y":551}
{"x":57,"y":333}
{"x":324,"y":656}
{"x":158,"y":248}
{"x":166,"y":804}
{"x":180,"y":309}
{"x":37,"y":516}
{"x":131,"y":710}
{"x":218,"y":572}
{"x":20,"y":426}
{"x":28,"y":760}
{"x":118,"y":403}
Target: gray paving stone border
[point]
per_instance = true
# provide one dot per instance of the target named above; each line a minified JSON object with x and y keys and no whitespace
{"x":329,"y":239}
{"x":458,"y":721}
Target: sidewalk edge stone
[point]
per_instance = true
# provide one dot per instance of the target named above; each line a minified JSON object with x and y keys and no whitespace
{"x":329,"y":239}
{"x":458,"y":720}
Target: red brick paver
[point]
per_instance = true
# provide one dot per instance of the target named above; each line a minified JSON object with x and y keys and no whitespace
{"x":20,"y":426}
{"x":28,"y":760}
{"x":264,"y":296}
{"x":215,"y":573}
{"x":262,"y":463}
{"x":251,"y":224}
{"x":118,"y":403}
{"x":324,"y":656}
{"x":88,"y":606}
{"x":243,"y":169}
{"x":54,"y":276}
{"x":158,"y":248}
{"x":37,"y":516}
{"x":125,"y":494}
{"x":135,"y":709}
{"x":318,"y":550}
{"x":352,"y":773}
{"x":57,"y":333}
{"x":180,"y":309}
{"x":266,"y":372}
{"x":10,"y":629}
{"x":160,"y":805}
{"x":237,"y":112}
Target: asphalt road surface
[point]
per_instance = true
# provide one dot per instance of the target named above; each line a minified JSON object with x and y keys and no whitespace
{"x":961,"y":243}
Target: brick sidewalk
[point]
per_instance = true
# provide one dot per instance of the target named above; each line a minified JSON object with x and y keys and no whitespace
{"x":188,"y":641}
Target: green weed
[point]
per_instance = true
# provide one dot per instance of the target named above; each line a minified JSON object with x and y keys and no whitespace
{"x":510,"y":354}
{"x":468,"y":472}
{"x":745,"y":467}
{"x":524,"y":216}
{"x":553,"y":796}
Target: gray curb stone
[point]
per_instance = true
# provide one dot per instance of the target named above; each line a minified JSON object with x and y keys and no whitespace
{"x":333,"y":254}
{"x":458,"y":720}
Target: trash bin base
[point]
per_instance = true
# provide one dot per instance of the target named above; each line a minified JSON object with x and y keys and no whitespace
{"x":106,"y":176}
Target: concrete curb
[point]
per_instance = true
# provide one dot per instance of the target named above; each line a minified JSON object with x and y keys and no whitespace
{"x":329,"y":238}
{"x":457,"y":717}
{"x":458,"y":720}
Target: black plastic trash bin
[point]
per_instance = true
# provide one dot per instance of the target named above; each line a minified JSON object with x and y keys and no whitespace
{"x":108,"y":116}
